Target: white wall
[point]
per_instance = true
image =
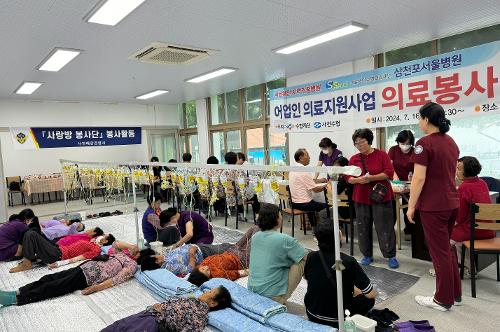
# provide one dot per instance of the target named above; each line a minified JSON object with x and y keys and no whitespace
{"x":54,"y":114}
{"x":342,"y":138}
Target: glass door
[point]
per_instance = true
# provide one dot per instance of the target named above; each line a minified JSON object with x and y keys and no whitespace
{"x":163,"y":145}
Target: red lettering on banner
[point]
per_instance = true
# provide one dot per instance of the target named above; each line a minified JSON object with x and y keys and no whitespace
{"x":446,"y":86}
{"x":418,"y":93}
{"x":389,"y":93}
{"x":490,"y":81}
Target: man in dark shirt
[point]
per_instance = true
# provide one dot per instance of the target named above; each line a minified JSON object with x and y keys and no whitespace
{"x":321,"y":296}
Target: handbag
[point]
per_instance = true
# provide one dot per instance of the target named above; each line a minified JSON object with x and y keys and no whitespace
{"x":378,"y":191}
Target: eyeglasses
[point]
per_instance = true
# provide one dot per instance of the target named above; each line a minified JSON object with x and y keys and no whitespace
{"x":360,"y":142}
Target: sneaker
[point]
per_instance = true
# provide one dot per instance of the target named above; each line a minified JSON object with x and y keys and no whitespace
{"x":393,"y":263}
{"x":428,"y":301}
{"x":467,"y":274}
{"x":366,"y":260}
{"x":458,"y":301}
{"x":432,"y":272}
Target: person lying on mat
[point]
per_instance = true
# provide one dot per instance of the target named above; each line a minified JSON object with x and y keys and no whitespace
{"x":357,"y":290}
{"x":179,"y":261}
{"x":36,"y":246}
{"x":88,"y":235}
{"x":175,"y":314}
{"x":192,"y":226}
{"x":241,"y":248}
{"x":129,"y":249}
{"x":92,"y":276}
{"x":11,"y":234}
{"x":225,"y":265}
{"x":225,"y":260}
{"x":276,"y":260}
{"x":54,"y":229}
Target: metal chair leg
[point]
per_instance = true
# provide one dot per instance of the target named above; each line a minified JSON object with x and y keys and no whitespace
{"x":293,"y":225}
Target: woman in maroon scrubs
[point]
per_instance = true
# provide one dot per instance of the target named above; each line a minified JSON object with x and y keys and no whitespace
{"x":433,"y":192}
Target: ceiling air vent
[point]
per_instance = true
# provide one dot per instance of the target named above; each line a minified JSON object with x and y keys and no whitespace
{"x":162,"y":53}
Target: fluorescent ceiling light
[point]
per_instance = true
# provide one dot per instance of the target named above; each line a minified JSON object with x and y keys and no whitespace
{"x":254,"y":101}
{"x":111,"y":12}
{"x":210,"y":75}
{"x":341,"y":31}
{"x":151,"y":94}
{"x":58,"y":58}
{"x":28,"y":88}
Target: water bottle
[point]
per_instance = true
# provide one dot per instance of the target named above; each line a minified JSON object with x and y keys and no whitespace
{"x":349,"y":325}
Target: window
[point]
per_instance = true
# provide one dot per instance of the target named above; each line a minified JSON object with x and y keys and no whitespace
{"x":276,"y":84}
{"x":477,"y":138}
{"x":255,"y":146}
{"x":234,"y":141}
{"x":232,"y":100}
{"x":253,"y":102}
{"x":278,"y":148}
{"x":189,"y":114}
{"x":469,"y":39}
{"x":408,"y":53}
{"x":218,"y":145}
{"x":163,"y":147}
{"x":189,"y":143}
{"x":217,"y":110}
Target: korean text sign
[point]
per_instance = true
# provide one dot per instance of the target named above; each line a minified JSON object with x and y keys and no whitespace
{"x":465,"y":82}
{"x":63,"y":137}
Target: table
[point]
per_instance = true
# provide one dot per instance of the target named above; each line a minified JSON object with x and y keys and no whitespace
{"x":42,"y":185}
{"x":33,"y":185}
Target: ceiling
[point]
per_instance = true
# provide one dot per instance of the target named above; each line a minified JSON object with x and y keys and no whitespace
{"x":245,"y":32}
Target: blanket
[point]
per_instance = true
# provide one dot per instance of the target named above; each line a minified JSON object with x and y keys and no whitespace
{"x":293,"y":323}
{"x":255,"y":306}
{"x":229,"y":320}
{"x":164,"y":283}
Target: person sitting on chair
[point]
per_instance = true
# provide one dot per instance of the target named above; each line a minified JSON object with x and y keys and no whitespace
{"x":302,"y":185}
{"x":321,"y":296}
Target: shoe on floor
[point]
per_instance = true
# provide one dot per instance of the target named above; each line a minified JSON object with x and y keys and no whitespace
{"x":24,"y":265}
{"x":393,"y":263}
{"x":410,"y":324}
{"x":428,"y":301}
{"x":432,"y":272}
{"x":366,"y":260}
{"x":407,"y":237}
{"x":458,"y":301}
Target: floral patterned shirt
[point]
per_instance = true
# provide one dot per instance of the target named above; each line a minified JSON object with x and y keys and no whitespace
{"x":181,"y":314}
{"x":118,"y":267}
{"x":177,"y":260}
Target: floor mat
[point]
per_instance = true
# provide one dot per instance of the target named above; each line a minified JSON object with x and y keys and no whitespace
{"x":389,"y":283}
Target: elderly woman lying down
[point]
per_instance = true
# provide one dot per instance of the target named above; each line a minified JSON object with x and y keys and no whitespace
{"x":92,"y":276}
{"x":175,"y":314}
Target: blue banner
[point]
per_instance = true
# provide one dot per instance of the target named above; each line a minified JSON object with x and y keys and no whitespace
{"x":64,"y":137}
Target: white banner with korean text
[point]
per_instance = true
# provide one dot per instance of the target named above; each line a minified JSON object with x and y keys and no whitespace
{"x":465,"y":82}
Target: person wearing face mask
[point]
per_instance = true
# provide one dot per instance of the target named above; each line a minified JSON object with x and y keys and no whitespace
{"x":400,"y":156}
{"x":328,"y":154}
